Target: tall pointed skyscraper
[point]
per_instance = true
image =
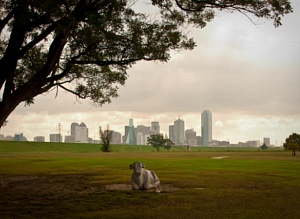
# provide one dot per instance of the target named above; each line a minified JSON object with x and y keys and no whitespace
{"x":206,"y":127}
{"x":131,"y":139}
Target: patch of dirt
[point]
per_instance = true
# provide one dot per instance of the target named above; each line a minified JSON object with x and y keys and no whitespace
{"x":59,"y":185}
{"x":121,"y":187}
{"x":220,"y":157}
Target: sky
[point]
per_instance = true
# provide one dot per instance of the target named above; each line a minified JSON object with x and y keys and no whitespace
{"x":246,"y":74}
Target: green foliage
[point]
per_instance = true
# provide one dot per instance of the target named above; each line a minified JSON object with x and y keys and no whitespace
{"x":158,"y":141}
{"x":106,"y":138}
{"x":292,"y":143}
{"x":263,"y":146}
{"x":86,"y":47}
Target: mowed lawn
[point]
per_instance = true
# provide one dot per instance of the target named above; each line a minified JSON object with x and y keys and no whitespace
{"x":50,"y":181}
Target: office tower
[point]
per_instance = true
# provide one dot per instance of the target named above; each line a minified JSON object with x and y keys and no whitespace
{"x":267,"y":141}
{"x":19,"y":137}
{"x":81,"y":133}
{"x":206,"y":127}
{"x":116,"y":138}
{"x":131,"y":139}
{"x":73,"y":132}
{"x":171,"y":133}
{"x":142,"y":133}
{"x":55,"y":138}
{"x":179,"y":131}
{"x":39,"y":139}
{"x":190,"y":137}
{"x":155,"y":127}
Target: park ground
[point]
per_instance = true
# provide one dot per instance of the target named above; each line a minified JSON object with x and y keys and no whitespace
{"x":68,"y":181}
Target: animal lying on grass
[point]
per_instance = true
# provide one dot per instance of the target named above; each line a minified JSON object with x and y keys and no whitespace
{"x":143,"y":179}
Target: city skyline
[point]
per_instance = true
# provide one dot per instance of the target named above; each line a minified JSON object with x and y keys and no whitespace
{"x":246,"y":74}
{"x":138,"y":134}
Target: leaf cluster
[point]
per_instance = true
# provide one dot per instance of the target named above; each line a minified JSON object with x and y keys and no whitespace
{"x":106,"y":138}
{"x":292,"y":143}
{"x":158,"y":141}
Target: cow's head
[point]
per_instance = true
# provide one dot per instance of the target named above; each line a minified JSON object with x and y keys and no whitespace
{"x":137,"y":168}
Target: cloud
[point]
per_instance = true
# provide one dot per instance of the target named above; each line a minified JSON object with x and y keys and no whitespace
{"x":219,"y":124}
{"x":247,"y":75}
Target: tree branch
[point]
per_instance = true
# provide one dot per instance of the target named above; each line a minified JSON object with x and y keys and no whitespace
{"x":5,"y":20}
{"x":36,"y":40}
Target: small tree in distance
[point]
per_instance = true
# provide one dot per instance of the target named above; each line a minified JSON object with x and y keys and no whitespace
{"x":292,"y":143}
{"x":264,"y":146}
{"x":106,"y":138}
{"x":158,"y":141}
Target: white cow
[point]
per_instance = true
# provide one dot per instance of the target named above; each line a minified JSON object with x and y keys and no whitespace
{"x":143,"y":179}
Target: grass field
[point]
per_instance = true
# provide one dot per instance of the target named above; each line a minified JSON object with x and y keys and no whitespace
{"x":46,"y":180}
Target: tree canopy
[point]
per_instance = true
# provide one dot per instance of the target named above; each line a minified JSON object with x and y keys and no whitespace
{"x":106,"y":137}
{"x":158,"y":141}
{"x":85,"y":46}
{"x":292,"y":143}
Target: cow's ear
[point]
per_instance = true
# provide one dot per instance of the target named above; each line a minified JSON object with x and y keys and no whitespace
{"x":130,"y":166}
{"x":143,"y":165}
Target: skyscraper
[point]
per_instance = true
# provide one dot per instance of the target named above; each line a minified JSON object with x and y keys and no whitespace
{"x":155,"y":127}
{"x":206,"y":127}
{"x":73,"y":132}
{"x":179,"y":131}
{"x":171,"y":133}
{"x":82,"y":135}
{"x":131,"y":139}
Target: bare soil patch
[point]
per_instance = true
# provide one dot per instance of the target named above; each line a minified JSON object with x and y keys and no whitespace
{"x":221,"y":157}
{"x":59,"y":185}
{"x":122,"y":187}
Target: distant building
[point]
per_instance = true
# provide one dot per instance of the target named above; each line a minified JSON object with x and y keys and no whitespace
{"x":267,"y":141}
{"x":199,"y":140}
{"x":155,"y":127}
{"x":55,"y":138}
{"x":171,"y":133}
{"x":116,"y":138}
{"x":39,"y":139}
{"x":69,"y":139}
{"x":253,"y":143}
{"x":142,"y":133}
{"x":140,"y":139}
{"x":1,"y":137}
{"x":81,"y":133}
{"x":73,"y":132}
{"x":19,"y":137}
{"x":9,"y":138}
{"x":206,"y":127}
{"x":179,"y":132}
{"x":131,"y":138}
{"x":190,"y":137}
{"x":126,"y":131}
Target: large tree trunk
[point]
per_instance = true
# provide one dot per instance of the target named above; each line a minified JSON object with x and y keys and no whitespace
{"x":6,"y":110}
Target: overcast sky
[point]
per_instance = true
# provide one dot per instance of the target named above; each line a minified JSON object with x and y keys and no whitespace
{"x":247,"y":75}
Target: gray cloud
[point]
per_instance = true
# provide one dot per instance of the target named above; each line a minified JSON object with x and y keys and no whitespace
{"x":244,"y":73}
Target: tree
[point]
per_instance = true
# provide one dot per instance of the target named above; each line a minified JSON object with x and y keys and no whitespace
{"x":106,"y":138}
{"x":292,"y":143}
{"x":86,"y":46}
{"x":264,"y":146}
{"x":158,"y":141}
{"x":168,"y":144}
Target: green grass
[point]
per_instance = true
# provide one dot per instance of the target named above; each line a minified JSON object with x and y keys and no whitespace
{"x":47,"y":180}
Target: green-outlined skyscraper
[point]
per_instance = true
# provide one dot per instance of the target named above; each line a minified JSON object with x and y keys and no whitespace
{"x":131,"y":139}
